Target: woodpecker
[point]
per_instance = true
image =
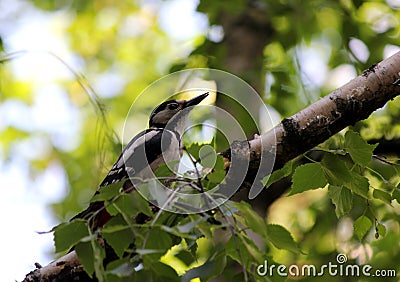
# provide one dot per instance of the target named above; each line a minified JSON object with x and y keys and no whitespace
{"x":160,"y":143}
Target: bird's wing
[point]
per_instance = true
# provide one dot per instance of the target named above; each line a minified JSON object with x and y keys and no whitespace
{"x":141,"y":151}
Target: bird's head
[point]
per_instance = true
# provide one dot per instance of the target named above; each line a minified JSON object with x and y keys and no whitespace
{"x":175,"y":111}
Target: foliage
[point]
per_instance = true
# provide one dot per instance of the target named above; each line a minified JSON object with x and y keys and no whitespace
{"x":343,"y":197}
{"x":146,"y":250}
{"x":155,"y":247}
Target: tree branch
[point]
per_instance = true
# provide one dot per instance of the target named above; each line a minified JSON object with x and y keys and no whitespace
{"x":296,"y":135}
{"x":66,"y":268}
{"x":313,"y":125}
{"x":345,"y":106}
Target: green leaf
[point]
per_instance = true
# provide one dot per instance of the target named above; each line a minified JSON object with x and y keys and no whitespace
{"x":158,"y":240}
{"x":163,"y":272}
{"x":66,"y":235}
{"x":361,"y":226}
{"x":381,"y":229}
{"x":252,"y":219}
{"x":359,"y":150}
{"x":237,"y":251}
{"x":277,"y":175}
{"x":219,"y":163}
{"x":131,"y":204}
{"x":143,"y":275}
{"x":335,"y":170}
{"x":216,"y":176}
{"x":308,"y":177}
{"x":342,"y":198}
{"x":211,"y":268}
{"x":281,"y":238}
{"x":338,"y":174}
{"x":184,"y":230}
{"x":244,"y":251}
{"x":120,"y":268}
{"x":252,"y":249}
{"x":117,"y":237}
{"x":107,"y":192}
{"x":359,"y":184}
{"x":92,"y":261}
{"x":194,"y":149}
{"x":383,"y":196}
{"x":186,"y":257}
{"x":207,"y":156}
{"x":166,"y":169}
{"x":157,"y":272}
{"x":85,"y":255}
{"x":396,"y":195}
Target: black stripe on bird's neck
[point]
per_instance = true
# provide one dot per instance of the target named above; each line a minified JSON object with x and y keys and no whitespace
{"x":157,"y":125}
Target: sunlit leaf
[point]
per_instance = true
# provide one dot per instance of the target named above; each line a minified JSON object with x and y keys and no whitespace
{"x":381,"y":230}
{"x":361,"y":226}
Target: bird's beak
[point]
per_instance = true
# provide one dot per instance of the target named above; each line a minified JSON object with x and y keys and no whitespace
{"x":195,"y":101}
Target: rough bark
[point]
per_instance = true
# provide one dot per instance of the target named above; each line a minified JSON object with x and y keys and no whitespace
{"x":67,"y":268}
{"x":345,"y":106}
{"x":350,"y":103}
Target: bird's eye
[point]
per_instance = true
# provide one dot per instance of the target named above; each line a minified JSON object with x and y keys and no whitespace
{"x":173,"y":106}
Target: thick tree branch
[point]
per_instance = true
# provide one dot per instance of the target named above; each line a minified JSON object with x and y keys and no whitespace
{"x":345,"y":106}
{"x":66,"y":268}
{"x":293,"y":136}
{"x":313,"y":125}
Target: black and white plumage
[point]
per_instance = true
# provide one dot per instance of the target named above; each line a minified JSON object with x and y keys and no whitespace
{"x":141,"y":151}
{"x":149,"y":149}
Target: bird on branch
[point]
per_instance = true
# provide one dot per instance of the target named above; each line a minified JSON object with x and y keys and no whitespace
{"x":159,"y":144}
